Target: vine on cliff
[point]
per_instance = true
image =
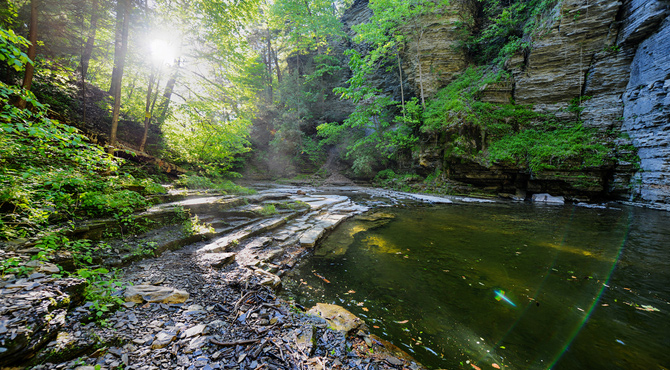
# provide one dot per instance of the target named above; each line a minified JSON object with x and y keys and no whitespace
{"x":507,"y":27}
{"x":508,"y":134}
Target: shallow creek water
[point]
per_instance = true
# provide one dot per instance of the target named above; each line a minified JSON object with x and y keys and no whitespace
{"x":502,"y":285}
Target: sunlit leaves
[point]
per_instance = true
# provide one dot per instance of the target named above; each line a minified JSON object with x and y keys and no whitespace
{"x":10,"y":49}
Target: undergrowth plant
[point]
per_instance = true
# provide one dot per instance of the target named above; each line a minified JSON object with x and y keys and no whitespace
{"x":268,"y":210}
{"x":202,"y":182}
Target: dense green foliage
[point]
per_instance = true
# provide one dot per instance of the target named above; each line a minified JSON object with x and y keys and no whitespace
{"x":508,"y":134}
{"x":507,"y":27}
{"x":49,"y":172}
{"x":373,"y":133}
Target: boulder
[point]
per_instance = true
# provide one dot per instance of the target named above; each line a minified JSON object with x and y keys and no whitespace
{"x":155,"y":294}
{"x":338,"y":318}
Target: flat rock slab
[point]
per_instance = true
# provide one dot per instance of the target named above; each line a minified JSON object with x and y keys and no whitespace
{"x":321,"y":201}
{"x":155,"y":294}
{"x":337,"y":317}
{"x":547,"y":198}
{"x":322,"y":224}
{"x":217,"y":259}
{"x":428,"y":198}
{"x":311,"y":236}
{"x":226,"y":242}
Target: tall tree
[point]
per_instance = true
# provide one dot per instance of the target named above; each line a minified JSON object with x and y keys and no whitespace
{"x":120,"y":50}
{"x":167,"y":95}
{"x":32,"y":51}
{"x":90,"y":41}
{"x":147,"y":110}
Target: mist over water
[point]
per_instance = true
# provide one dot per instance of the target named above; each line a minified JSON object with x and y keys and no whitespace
{"x":519,"y":286}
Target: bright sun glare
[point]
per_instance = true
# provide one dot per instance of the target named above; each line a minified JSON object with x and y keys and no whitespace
{"x":162,"y":51}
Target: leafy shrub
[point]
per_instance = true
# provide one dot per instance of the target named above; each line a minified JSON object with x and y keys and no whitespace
{"x":195,"y":182}
{"x":102,"y":204}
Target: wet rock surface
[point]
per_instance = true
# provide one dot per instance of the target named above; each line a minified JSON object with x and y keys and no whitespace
{"x":195,"y":308}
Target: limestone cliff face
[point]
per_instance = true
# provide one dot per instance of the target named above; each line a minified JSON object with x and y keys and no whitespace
{"x":646,"y":111}
{"x":616,"y":54}
{"x":555,"y":69}
{"x":434,"y":43}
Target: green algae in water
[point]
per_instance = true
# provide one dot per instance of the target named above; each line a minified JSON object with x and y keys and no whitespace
{"x":511,"y":285}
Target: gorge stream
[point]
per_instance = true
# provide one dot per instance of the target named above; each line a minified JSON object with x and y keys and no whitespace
{"x":503,"y":285}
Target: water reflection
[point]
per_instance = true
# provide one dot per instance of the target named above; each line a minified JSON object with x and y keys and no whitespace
{"x":432,"y":279}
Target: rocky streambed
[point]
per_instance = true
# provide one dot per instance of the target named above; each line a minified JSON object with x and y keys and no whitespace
{"x":206,"y":300}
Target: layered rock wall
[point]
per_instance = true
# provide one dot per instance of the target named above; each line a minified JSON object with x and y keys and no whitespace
{"x":554,"y":72}
{"x":433,"y":43}
{"x":646,"y":113}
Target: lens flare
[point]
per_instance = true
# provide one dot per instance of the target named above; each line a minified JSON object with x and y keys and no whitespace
{"x":500,"y":295}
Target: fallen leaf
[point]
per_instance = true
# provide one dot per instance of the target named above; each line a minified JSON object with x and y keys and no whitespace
{"x":360,"y":304}
{"x":402,"y":322}
{"x":322,"y":278}
{"x":375,"y":326}
{"x":365,"y":309}
{"x":351,"y":292}
{"x":648,"y":308}
{"x":495,"y":366}
{"x":475,"y":367}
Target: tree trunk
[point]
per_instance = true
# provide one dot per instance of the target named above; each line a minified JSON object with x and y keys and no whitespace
{"x":402,"y":90}
{"x":269,"y":60}
{"x":418,"y":60}
{"x":147,"y":111}
{"x":32,"y":51}
{"x":120,"y":49}
{"x":274,"y":55}
{"x":90,"y":41}
{"x":158,"y":83}
{"x":167,"y":95}
{"x":120,"y":11}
